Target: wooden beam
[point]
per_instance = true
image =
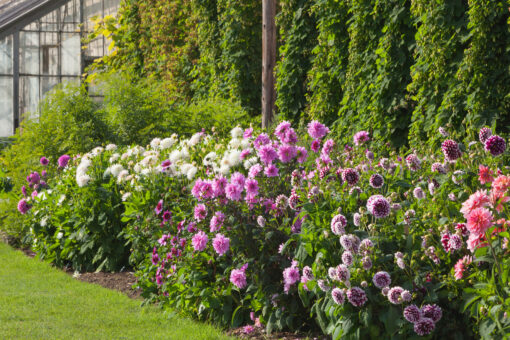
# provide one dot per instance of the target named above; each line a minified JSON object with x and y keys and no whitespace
{"x":268,"y":61}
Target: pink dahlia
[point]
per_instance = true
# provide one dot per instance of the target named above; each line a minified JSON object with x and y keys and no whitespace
{"x":316,"y":145}
{"x":221,"y":244}
{"x":44,"y":161}
{"x":501,"y":184}
{"x":459,"y":269}
{"x":63,"y":160}
{"x":361,"y":137}
{"x":479,"y":220}
{"x":267,"y":153}
{"x":252,"y":187}
{"x":497,"y":199}
{"x":23,"y":206}
{"x":477,"y":200}
{"x":302,"y":154}
{"x":286,"y":153}
{"x":291,"y":275}
{"x":200,"y":212}
{"x":485,"y":174}
{"x":233,"y":192}
{"x":159,"y":207}
{"x":199,"y":241}
{"x":356,"y":296}
{"x":317,"y":130}
{"x":238,"y":278}
{"x":216,"y":221}
{"x":476,"y":241}
{"x":271,"y":171}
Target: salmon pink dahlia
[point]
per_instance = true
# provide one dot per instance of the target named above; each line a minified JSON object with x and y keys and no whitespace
{"x":485,"y":174}
{"x":479,"y":220}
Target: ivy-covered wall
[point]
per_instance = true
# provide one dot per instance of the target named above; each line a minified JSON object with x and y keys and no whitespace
{"x":399,"y":68}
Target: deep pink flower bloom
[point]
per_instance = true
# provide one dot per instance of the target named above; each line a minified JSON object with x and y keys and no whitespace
{"x":302,"y":154}
{"x":199,"y":241}
{"x":267,"y":153}
{"x":63,"y":160}
{"x":237,"y":178}
{"x":167,"y":216}
{"x":451,"y":150}
{"x":255,"y":170}
{"x":221,"y":244}
{"x":316,"y":145}
{"x":238,"y":278}
{"x":245,"y":153}
{"x":286,"y":153}
{"x":23,"y":206}
{"x":217,"y":221}
{"x":219,"y":185}
{"x":317,"y":130}
{"x":233,"y":192}
{"x":200,"y":212}
{"x":252,"y":187}
{"x":44,"y":161}
{"x":159,"y":207}
{"x":262,"y":139}
{"x":361,"y":137}
{"x":248,"y":133}
{"x":271,"y":171}
{"x":495,"y":145}
{"x":378,"y":206}
{"x":484,"y":134}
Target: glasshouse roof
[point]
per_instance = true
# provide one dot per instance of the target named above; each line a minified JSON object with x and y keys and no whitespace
{"x":41,"y":45}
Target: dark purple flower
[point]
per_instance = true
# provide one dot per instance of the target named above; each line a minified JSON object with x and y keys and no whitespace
{"x":433,"y":312}
{"x":412,"y":313}
{"x":167,"y":216}
{"x":495,"y":145}
{"x":451,"y":150}
{"x":350,"y":176}
{"x":424,"y":326}
{"x":376,"y":181}
{"x":378,"y":206}
{"x":44,"y":161}
{"x":484,"y":134}
{"x":356,"y":296}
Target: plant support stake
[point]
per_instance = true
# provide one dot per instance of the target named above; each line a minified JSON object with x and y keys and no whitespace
{"x":268,"y":60}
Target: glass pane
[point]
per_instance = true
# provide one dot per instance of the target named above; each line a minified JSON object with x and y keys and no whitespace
{"x":6,"y":55}
{"x":6,"y":110}
{"x":34,"y":26}
{"x":111,"y":7}
{"x":29,"y":52}
{"x":70,"y":12}
{"x":50,"y":21}
{"x":47,"y":83}
{"x":95,"y":48}
{"x":29,"y":96}
{"x":71,"y":50}
{"x":49,"y":53}
{"x":91,"y":8}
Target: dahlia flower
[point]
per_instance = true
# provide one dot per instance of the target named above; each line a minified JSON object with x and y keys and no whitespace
{"x":221,"y":244}
{"x":356,"y":296}
{"x":199,"y":241}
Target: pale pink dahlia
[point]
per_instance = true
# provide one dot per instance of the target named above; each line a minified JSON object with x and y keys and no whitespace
{"x":338,"y":296}
{"x":238,"y":278}
{"x":317,"y":130}
{"x":199,"y":241}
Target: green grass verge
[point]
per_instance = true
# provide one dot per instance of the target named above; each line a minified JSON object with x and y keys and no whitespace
{"x":41,"y":302}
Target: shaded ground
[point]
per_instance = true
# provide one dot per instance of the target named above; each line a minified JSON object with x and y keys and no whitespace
{"x":258,"y":334}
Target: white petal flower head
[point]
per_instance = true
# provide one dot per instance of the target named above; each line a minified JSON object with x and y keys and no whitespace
{"x":195,"y":139}
{"x":235,"y":143}
{"x":82,"y":180}
{"x":237,"y":132}
{"x":234,"y":157}
{"x":192,"y":171}
{"x":155,"y":143}
{"x":122,"y":176}
{"x":111,"y":147}
{"x":114,"y":157}
{"x":167,"y":143}
{"x":116,"y":169}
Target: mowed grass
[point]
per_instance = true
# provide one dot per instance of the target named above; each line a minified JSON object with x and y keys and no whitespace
{"x":41,"y":302}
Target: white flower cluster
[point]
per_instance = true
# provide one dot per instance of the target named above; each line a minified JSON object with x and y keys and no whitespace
{"x":82,"y":179}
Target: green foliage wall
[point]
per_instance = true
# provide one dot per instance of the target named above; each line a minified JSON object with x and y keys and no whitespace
{"x":399,"y":68}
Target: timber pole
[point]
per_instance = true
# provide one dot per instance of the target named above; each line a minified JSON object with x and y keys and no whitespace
{"x":268,"y":61}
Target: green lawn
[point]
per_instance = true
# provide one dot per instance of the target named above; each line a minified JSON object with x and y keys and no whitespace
{"x":41,"y":302}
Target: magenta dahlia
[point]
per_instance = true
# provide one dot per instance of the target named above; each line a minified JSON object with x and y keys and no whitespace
{"x":495,"y":145}
{"x":451,"y":150}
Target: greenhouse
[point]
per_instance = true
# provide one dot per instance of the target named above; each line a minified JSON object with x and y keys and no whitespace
{"x":40,"y":47}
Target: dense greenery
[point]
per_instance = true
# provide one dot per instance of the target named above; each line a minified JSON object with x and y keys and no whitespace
{"x":246,"y":230}
{"x":399,"y":68}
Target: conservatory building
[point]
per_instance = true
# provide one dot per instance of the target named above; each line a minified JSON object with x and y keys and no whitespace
{"x":41,"y":45}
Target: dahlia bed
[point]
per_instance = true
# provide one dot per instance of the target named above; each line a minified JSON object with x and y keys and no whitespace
{"x":290,"y":230}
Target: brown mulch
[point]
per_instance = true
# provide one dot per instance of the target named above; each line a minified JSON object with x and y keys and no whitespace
{"x":259,"y":334}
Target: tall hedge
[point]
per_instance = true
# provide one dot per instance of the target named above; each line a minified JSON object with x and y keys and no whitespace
{"x":399,"y":68}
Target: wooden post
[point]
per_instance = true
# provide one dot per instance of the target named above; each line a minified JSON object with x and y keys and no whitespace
{"x":268,"y":60}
